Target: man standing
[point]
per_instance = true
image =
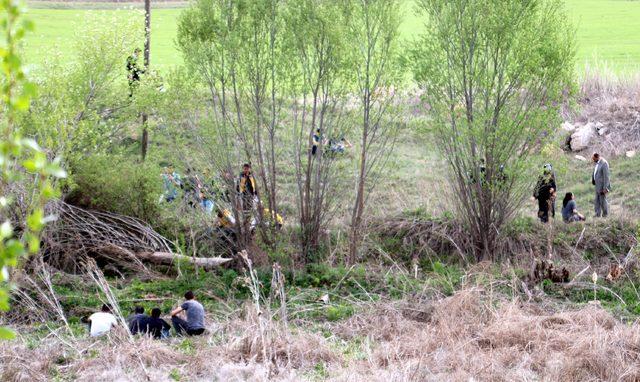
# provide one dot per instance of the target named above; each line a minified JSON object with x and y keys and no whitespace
{"x":600,"y":179}
{"x":171,"y":182}
{"x":133,"y":71}
{"x":194,"y":324}
{"x":247,"y":188}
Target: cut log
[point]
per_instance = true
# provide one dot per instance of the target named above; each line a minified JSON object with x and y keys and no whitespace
{"x":168,"y":258}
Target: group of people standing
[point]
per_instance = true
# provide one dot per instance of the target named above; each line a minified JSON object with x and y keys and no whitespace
{"x":212,"y":194}
{"x":153,"y":325}
{"x":209,"y":193}
{"x":546,"y":187}
{"x":331,"y":145}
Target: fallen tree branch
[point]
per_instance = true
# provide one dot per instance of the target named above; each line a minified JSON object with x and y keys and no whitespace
{"x":167,"y":258}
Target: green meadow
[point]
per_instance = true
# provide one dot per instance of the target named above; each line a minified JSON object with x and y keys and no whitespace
{"x":608,"y":31}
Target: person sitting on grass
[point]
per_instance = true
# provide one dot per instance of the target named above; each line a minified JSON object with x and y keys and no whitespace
{"x":194,"y":324}
{"x":102,"y":322}
{"x":570,"y":212}
{"x":137,"y":321}
{"x":156,"y":326}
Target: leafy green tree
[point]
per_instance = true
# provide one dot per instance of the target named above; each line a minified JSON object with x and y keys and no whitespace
{"x":209,"y":37}
{"x":494,"y":73}
{"x":322,"y":83}
{"x":25,"y":168}
{"x":373,"y":30}
{"x":83,"y":104}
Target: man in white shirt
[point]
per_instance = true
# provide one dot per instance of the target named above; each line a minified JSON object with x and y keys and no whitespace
{"x":102,"y":322}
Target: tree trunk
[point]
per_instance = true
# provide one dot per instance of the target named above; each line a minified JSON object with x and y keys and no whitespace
{"x":144,"y":141}
{"x":147,"y":50}
{"x":147,"y":32}
{"x":167,"y":258}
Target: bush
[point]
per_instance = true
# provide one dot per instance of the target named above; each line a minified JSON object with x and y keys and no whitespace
{"x":114,"y":184}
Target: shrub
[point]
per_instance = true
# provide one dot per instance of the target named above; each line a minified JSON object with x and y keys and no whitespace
{"x":114,"y":184}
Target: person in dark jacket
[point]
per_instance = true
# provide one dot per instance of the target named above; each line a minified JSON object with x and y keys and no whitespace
{"x":545,"y":193}
{"x":157,"y":327}
{"x":317,"y":138}
{"x":192,"y":187}
{"x":134,"y":71}
{"x":137,"y":321}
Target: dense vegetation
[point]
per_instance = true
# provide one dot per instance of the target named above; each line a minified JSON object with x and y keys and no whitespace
{"x":367,"y":145}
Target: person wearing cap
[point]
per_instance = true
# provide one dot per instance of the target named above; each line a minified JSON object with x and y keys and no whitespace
{"x":600,"y":179}
{"x":545,"y":192}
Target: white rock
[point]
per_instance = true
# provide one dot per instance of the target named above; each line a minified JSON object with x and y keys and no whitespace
{"x":568,"y":126}
{"x":630,"y":154}
{"x":600,"y":128}
{"x":582,"y":137}
{"x":580,"y":158}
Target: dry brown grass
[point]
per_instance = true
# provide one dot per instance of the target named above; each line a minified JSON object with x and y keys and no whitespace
{"x":472,"y":335}
{"x":614,"y":101}
{"x":469,"y":339}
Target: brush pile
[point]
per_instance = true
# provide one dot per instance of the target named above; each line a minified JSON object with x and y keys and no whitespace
{"x":114,"y":239}
{"x":522,"y":239}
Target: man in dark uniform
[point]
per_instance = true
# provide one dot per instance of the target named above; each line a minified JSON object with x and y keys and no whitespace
{"x":134,"y":70}
{"x":545,"y":193}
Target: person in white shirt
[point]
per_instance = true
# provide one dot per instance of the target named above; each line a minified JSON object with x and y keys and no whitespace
{"x":102,"y":322}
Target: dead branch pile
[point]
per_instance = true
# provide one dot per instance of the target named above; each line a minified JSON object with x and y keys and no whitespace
{"x":422,"y":237}
{"x":120,"y":240}
{"x":426,"y":237}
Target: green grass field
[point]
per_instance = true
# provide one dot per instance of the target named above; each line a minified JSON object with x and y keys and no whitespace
{"x":608,"y":31}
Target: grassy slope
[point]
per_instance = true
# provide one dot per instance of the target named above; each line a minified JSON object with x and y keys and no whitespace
{"x":607,"y":31}
{"x":57,"y":29}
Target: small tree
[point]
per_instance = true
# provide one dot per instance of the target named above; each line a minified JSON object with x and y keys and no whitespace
{"x":263,"y":78}
{"x":321,"y":86}
{"x":494,"y":73}
{"x":82,"y":105}
{"x":25,"y":171}
{"x":209,"y":38}
{"x":144,"y":142}
{"x":373,"y":27}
